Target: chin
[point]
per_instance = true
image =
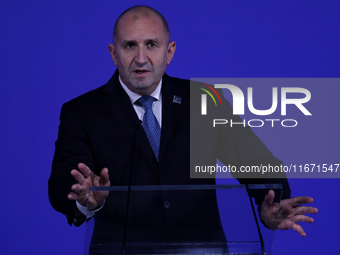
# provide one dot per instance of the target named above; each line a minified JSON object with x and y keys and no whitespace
{"x":142,"y":85}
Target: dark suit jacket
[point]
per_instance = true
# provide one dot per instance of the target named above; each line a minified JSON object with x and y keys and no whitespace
{"x":101,"y":129}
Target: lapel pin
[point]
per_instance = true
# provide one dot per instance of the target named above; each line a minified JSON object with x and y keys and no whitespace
{"x":177,"y":100}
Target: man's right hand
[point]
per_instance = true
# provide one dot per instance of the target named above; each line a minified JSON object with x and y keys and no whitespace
{"x":86,"y":178}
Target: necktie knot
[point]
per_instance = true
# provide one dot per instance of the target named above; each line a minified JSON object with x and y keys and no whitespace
{"x":146,"y":102}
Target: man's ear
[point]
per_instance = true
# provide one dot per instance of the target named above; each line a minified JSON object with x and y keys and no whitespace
{"x":171,"y":52}
{"x":112,"y":50}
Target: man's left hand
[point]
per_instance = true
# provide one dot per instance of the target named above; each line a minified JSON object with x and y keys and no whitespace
{"x":287,"y":213}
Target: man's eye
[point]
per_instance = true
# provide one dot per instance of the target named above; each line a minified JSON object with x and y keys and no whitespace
{"x":130,"y":45}
{"x":151,"y":45}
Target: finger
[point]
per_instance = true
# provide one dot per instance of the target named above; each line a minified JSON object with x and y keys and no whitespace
{"x":299,"y":229}
{"x":85,"y":170}
{"x":302,"y":218}
{"x":77,"y":188}
{"x":104,"y":177}
{"x":269,"y":198}
{"x":78,"y":176}
{"x":299,"y":200}
{"x":305,"y":209}
{"x":72,"y":196}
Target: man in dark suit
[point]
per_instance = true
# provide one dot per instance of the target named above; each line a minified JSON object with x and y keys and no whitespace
{"x":102,"y":142}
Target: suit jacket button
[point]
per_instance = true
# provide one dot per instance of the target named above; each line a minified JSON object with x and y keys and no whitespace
{"x":166,"y":204}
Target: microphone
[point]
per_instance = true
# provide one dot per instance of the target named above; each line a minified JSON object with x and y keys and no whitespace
{"x":136,"y":128}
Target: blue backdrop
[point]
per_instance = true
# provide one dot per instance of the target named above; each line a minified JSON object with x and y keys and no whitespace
{"x":53,"y":51}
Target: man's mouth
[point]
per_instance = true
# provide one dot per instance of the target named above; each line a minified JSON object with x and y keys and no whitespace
{"x":140,"y":71}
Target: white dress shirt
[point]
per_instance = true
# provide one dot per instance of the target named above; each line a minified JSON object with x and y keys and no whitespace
{"x":156,"y":106}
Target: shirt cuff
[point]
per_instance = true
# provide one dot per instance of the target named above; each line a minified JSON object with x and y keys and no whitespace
{"x":86,"y":212}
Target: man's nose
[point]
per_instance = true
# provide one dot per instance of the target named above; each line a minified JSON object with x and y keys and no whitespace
{"x":141,"y":56}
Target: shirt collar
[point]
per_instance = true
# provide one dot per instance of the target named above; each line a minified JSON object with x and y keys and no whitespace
{"x":134,"y":96}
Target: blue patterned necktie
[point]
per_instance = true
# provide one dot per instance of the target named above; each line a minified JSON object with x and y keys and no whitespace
{"x":150,"y":124}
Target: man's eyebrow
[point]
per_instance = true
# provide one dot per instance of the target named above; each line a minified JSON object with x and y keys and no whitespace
{"x":129,"y":41}
{"x":156,"y":40}
{"x":152,"y":39}
{"x":124,"y":42}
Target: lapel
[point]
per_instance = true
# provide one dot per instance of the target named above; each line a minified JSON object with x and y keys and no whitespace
{"x":119,"y":105}
{"x":170,"y":111}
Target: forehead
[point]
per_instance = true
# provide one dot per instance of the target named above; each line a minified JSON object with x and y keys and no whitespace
{"x":136,"y":24}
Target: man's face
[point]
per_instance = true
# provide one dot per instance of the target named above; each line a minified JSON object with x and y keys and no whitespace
{"x":141,"y":51}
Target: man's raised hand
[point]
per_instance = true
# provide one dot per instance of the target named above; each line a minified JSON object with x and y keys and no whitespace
{"x":287,"y":213}
{"x":86,"y":178}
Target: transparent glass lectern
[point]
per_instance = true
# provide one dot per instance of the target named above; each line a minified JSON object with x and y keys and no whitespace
{"x":180,"y":219}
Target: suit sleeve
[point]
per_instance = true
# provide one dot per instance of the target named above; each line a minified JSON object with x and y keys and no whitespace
{"x":239,"y":146}
{"x":71,"y":148}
